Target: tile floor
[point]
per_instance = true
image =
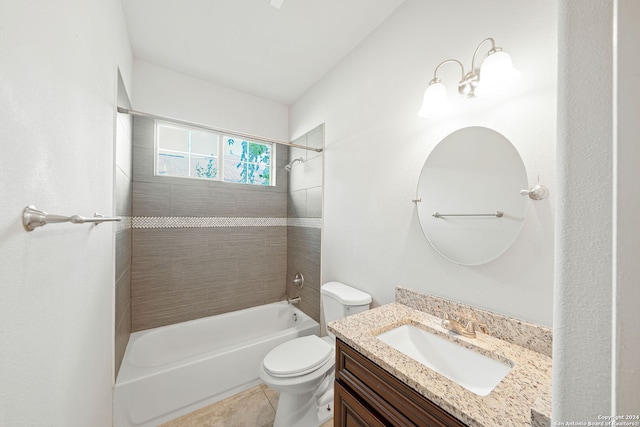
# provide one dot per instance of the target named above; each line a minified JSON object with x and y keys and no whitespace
{"x":252,"y":408}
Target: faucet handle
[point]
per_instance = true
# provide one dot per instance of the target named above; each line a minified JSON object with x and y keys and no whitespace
{"x":483,"y":328}
{"x":471,"y":327}
{"x":446,"y":321}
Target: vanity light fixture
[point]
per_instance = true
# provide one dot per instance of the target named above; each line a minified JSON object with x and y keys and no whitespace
{"x":494,"y":76}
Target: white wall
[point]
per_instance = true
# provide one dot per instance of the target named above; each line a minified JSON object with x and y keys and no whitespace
{"x":626,"y":340}
{"x":168,"y":93}
{"x":583,"y":297}
{"x":596,"y":318}
{"x":376,"y":146}
{"x":57,"y":97}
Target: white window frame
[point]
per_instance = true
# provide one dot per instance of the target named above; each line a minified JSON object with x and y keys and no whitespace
{"x":219,"y":155}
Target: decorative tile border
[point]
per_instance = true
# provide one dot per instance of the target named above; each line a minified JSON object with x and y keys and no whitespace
{"x":305,"y":222}
{"x":525,"y":334}
{"x":215,"y":222}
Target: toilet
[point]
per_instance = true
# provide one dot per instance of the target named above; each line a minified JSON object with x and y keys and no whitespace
{"x":302,"y":369}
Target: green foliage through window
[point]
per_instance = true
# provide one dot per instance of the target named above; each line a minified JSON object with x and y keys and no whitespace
{"x":208,"y":171}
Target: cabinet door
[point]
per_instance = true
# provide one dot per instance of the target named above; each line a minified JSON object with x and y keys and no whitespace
{"x":349,"y":412}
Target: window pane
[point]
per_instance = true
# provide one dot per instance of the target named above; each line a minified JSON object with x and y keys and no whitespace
{"x":258,"y":174}
{"x":175,"y":164}
{"x":233,"y":148}
{"x":204,"y":143}
{"x":234,"y":168}
{"x":259,"y":156}
{"x":247,"y":162}
{"x":172,"y":138}
{"x":204,"y":166}
{"x":234,"y":171}
{"x":260,"y":153}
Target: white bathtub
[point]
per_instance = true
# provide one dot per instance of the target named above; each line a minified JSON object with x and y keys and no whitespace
{"x":173,"y":370}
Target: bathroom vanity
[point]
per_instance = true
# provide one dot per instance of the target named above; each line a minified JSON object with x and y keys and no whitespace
{"x":379,"y":385}
{"x":366,"y":395}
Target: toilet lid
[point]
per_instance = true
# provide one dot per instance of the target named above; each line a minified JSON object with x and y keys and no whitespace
{"x":297,"y":357}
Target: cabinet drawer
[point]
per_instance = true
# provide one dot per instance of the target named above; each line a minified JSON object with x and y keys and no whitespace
{"x":387,"y":396}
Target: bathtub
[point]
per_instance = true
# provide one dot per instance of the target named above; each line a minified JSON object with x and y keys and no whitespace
{"x":173,"y":370}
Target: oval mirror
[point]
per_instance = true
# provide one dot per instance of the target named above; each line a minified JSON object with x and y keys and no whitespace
{"x":471,"y":209}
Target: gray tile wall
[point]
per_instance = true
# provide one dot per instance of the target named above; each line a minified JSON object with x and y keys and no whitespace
{"x":305,"y":201}
{"x":183,"y":274}
{"x":123,"y":194}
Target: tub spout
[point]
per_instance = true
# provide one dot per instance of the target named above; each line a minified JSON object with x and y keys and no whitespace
{"x":293,"y":301}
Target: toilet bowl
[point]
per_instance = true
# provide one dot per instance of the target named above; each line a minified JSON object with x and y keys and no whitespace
{"x":302,"y":369}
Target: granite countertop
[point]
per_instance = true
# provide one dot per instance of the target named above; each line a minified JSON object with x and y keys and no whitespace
{"x":510,"y":403}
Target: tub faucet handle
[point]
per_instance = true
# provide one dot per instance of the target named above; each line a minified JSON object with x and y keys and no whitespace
{"x":298,"y":280}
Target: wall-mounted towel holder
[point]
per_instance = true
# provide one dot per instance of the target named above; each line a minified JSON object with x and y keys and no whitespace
{"x":536,"y":192}
{"x":33,"y":218}
{"x":497,"y":214}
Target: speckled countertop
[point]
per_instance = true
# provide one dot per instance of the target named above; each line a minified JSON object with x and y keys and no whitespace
{"x":510,"y":403}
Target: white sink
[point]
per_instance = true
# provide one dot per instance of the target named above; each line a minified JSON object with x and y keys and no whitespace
{"x":472,"y":370}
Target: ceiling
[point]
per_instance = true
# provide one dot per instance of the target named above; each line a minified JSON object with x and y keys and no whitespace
{"x":249,"y":45}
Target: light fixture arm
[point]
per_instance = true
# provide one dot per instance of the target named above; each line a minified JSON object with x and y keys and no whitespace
{"x":435,"y":72}
{"x":492,"y":50}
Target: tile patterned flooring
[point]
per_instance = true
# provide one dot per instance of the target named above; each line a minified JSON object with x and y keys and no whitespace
{"x":252,"y":408}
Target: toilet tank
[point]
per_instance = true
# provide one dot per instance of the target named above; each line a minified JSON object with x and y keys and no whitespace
{"x":340,"y":300}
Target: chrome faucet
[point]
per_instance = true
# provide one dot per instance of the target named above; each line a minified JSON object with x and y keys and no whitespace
{"x":468,"y":331}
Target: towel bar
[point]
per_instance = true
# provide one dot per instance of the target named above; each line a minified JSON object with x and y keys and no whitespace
{"x":33,"y":218}
{"x":497,"y":214}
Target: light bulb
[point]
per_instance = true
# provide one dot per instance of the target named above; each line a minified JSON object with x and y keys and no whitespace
{"x":435,"y":101}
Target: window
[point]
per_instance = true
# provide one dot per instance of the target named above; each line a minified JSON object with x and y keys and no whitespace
{"x":196,"y":153}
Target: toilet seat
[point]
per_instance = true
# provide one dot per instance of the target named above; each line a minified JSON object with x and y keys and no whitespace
{"x":297,"y":357}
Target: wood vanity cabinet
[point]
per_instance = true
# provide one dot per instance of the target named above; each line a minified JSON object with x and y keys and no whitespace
{"x":368,"y":396}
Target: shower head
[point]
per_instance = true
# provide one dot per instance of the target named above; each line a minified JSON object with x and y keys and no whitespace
{"x":293,"y":162}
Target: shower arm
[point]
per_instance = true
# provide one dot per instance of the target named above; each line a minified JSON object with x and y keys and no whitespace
{"x":289,"y":165}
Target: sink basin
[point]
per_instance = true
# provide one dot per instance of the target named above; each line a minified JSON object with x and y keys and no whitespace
{"x":472,"y":370}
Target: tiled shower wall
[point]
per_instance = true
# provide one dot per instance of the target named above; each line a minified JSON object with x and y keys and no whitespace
{"x":122,"y":229}
{"x":304,"y":210}
{"x":180,"y":274}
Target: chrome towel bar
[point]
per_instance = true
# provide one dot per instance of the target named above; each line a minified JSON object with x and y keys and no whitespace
{"x":33,"y":218}
{"x":497,"y":214}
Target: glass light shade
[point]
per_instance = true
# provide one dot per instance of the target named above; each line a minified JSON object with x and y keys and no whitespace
{"x":496,"y":75}
{"x":435,"y":101}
